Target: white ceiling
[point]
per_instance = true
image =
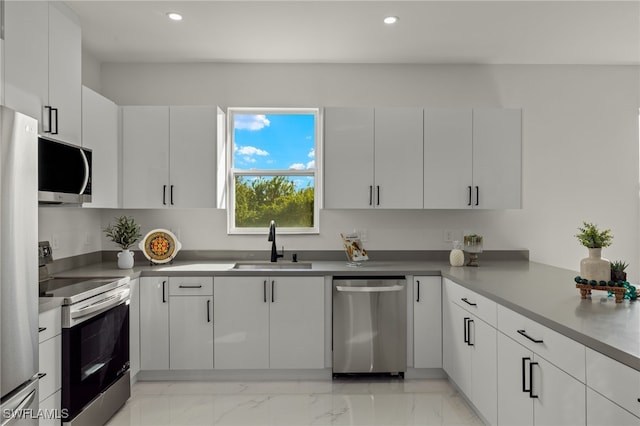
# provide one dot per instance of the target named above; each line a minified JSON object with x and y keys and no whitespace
{"x":326,"y":31}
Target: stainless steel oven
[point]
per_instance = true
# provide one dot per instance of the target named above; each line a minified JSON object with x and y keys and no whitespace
{"x":95,"y":347}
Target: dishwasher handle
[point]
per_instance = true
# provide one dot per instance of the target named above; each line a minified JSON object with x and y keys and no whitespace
{"x":377,"y":289}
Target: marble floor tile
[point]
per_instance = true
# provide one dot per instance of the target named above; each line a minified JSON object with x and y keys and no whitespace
{"x":387,"y":402}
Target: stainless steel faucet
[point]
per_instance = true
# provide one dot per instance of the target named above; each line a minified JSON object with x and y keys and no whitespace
{"x":272,"y":238}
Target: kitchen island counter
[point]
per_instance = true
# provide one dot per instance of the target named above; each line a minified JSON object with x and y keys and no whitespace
{"x":543,"y":293}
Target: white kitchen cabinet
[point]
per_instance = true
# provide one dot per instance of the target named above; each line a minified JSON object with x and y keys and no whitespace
{"x":472,"y":158}
{"x":169,"y":156}
{"x":373,"y":158}
{"x":603,"y":412}
{"x":154,"y":323}
{"x":50,"y":363}
{"x":469,"y":348}
{"x":190,"y":323}
{"x":43,"y":66}
{"x":269,"y":322}
{"x":100,"y":134}
{"x":134,"y":327}
{"x":427,"y":322}
{"x":531,"y":390}
{"x":51,"y":406}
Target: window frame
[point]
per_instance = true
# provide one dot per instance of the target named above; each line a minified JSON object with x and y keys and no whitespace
{"x":232,"y":172}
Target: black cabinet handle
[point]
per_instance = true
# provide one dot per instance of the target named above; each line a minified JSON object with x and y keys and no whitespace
{"x":418,"y":297}
{"x":524,"y":374}
{"x":41,"y":329}
{"x":370,"y":195}
{"x":208,"y":310}
{"x":273,"y":294}
{"x":164,"y":297}
{"x":477,"y":195}
{"x":264,"y":290}
{"x":466,"y":330}
{"x":190,"y":286}
{"x":41,"y":375}
{"x":164,"y":195}
{"x":171,"y":195}
{"x":50,"y":116}
{"x":469,"y":333}
{"x":524,"y":333}
{"x":531,"y":395}
{"x":55,"y":132}
{"x":465,"y":300}
{"x":378,"y":195}
{"x":469,"y":195}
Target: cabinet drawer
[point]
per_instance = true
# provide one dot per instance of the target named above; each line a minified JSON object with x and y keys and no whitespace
{"x":191,"y":286}
{"x":471,"y":301}
{"x":51,"y":322}
{"x":614,"y":380}
{"x":565,"y":353}
{"x":51,"y":410}
{"x":50,"y":365}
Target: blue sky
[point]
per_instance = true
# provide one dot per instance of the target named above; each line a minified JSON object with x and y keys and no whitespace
{"x":274,"y":141}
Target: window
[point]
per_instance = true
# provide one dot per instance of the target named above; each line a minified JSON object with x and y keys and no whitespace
{"x":273,"y":170}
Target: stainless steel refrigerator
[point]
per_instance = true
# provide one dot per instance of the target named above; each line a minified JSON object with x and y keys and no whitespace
{"x":18,"y":268}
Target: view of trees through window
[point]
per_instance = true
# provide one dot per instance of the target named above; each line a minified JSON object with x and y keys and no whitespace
{"x":274,"y":169}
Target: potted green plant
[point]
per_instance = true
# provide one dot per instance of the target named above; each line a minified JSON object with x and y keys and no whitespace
{"x":124,"y":233}
{"x":617,"y":270}
{"x":594,"y":267}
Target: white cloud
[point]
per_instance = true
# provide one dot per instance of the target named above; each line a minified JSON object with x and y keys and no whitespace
{"x":250,"y":122}
{"x":297,"y":166}
{"x":312,"y":153}
{"x":250,"y":150}
{"x":249,"y":159}
{"x":311,"y":164}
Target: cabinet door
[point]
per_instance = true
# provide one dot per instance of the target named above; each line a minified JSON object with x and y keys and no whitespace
{"x":398,"y":158}
{"x":515,"y":406}
{"x":154,"y":323}
{"x":100,"y":134}
{"x":561,"y":398}
{"x":26,"y":52}
{"x":447,"y":158}
{"x":297,"y":322}
{"x":145,"y":156}
{"x":50,"y":406}
{"x":427,"y":322}
{"x":497,"y":158}
{"x":348,"y":158}
{"x":134,"y":327}
{"x":602,"y":412}
{"x":192,"y":143}
{"x":191,"y":333}
{"x":484,"y":369}
{"x":65,"y":72}
{"x":241,"y":322}
{"x":456,"y":354}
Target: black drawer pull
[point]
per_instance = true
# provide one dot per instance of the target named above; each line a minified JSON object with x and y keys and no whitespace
{"x":464,"y":299}
{"x":190,"y":286}
{"x":41,"y":329}
{"x":524,"y":333}
{"x":41,"y":375}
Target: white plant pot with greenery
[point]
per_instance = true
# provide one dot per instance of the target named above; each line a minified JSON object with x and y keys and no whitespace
{"x":124,"y":233}
{"x":594,"y":267}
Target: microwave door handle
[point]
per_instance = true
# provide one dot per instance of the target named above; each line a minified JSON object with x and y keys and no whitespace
{"x":86,"y":172}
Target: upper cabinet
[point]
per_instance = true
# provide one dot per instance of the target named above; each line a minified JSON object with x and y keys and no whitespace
{"x":472,"y":158}
{"x":373,"y":158}
{"x":169,"y":156}
{"x":100,"y":134}
{"x":43,"y":66}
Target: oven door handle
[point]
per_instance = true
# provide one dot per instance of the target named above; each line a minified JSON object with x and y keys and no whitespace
{"x":101,"y":306}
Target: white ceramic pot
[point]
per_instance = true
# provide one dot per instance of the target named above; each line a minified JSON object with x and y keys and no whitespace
{"x":595,"y":267}
{"x":125,"y":259}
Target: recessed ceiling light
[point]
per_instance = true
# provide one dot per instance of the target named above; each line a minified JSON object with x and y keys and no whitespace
{"x":174,"y":16}
{"x":390,"y":20}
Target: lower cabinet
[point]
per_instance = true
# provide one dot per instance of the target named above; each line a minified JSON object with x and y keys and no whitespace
{"x":532,"y":391}
{"x":154,"y":323}
{"x":50,"y":366}
{"x":269,"y":322}
{"x":602,"y":412}
{"x":134,"y":328}
{"x":427,"y":322}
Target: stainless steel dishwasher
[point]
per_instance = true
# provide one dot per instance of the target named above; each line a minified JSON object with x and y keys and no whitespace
{"x":369,"y":325}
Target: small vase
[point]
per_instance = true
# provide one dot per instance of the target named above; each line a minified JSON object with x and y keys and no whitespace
{"x":125,"y":259}
{"x":595,"y":267}
{"x":456,"y":257}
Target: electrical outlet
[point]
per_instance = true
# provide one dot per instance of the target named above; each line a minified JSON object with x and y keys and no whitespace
{"x":88,"y":239}
{"x":55,"y":241}
{"x":451,"y":235}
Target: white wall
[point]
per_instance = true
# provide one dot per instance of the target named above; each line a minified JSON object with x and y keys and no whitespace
{"x":580,"y":147}
{"x":70,"y":230}
{"x":91,"y":71}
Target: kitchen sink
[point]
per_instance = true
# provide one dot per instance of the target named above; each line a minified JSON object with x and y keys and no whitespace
{"x":272,"y":265}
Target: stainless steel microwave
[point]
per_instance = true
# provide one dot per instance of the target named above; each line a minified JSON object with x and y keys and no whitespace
{"x":64,"y":173}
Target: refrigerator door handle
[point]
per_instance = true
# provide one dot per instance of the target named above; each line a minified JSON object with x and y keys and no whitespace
{"x":14,"y":413}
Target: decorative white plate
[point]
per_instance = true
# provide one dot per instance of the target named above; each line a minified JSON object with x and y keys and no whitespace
{"x":160,"y":246}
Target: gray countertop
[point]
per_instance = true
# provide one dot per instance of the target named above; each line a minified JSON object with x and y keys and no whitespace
{"x":543,"y":293}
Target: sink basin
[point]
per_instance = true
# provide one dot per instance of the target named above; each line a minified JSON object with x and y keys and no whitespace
{"x":272,"y":265}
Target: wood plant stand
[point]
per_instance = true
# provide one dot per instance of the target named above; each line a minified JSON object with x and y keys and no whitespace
{"x":585,"y":289}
